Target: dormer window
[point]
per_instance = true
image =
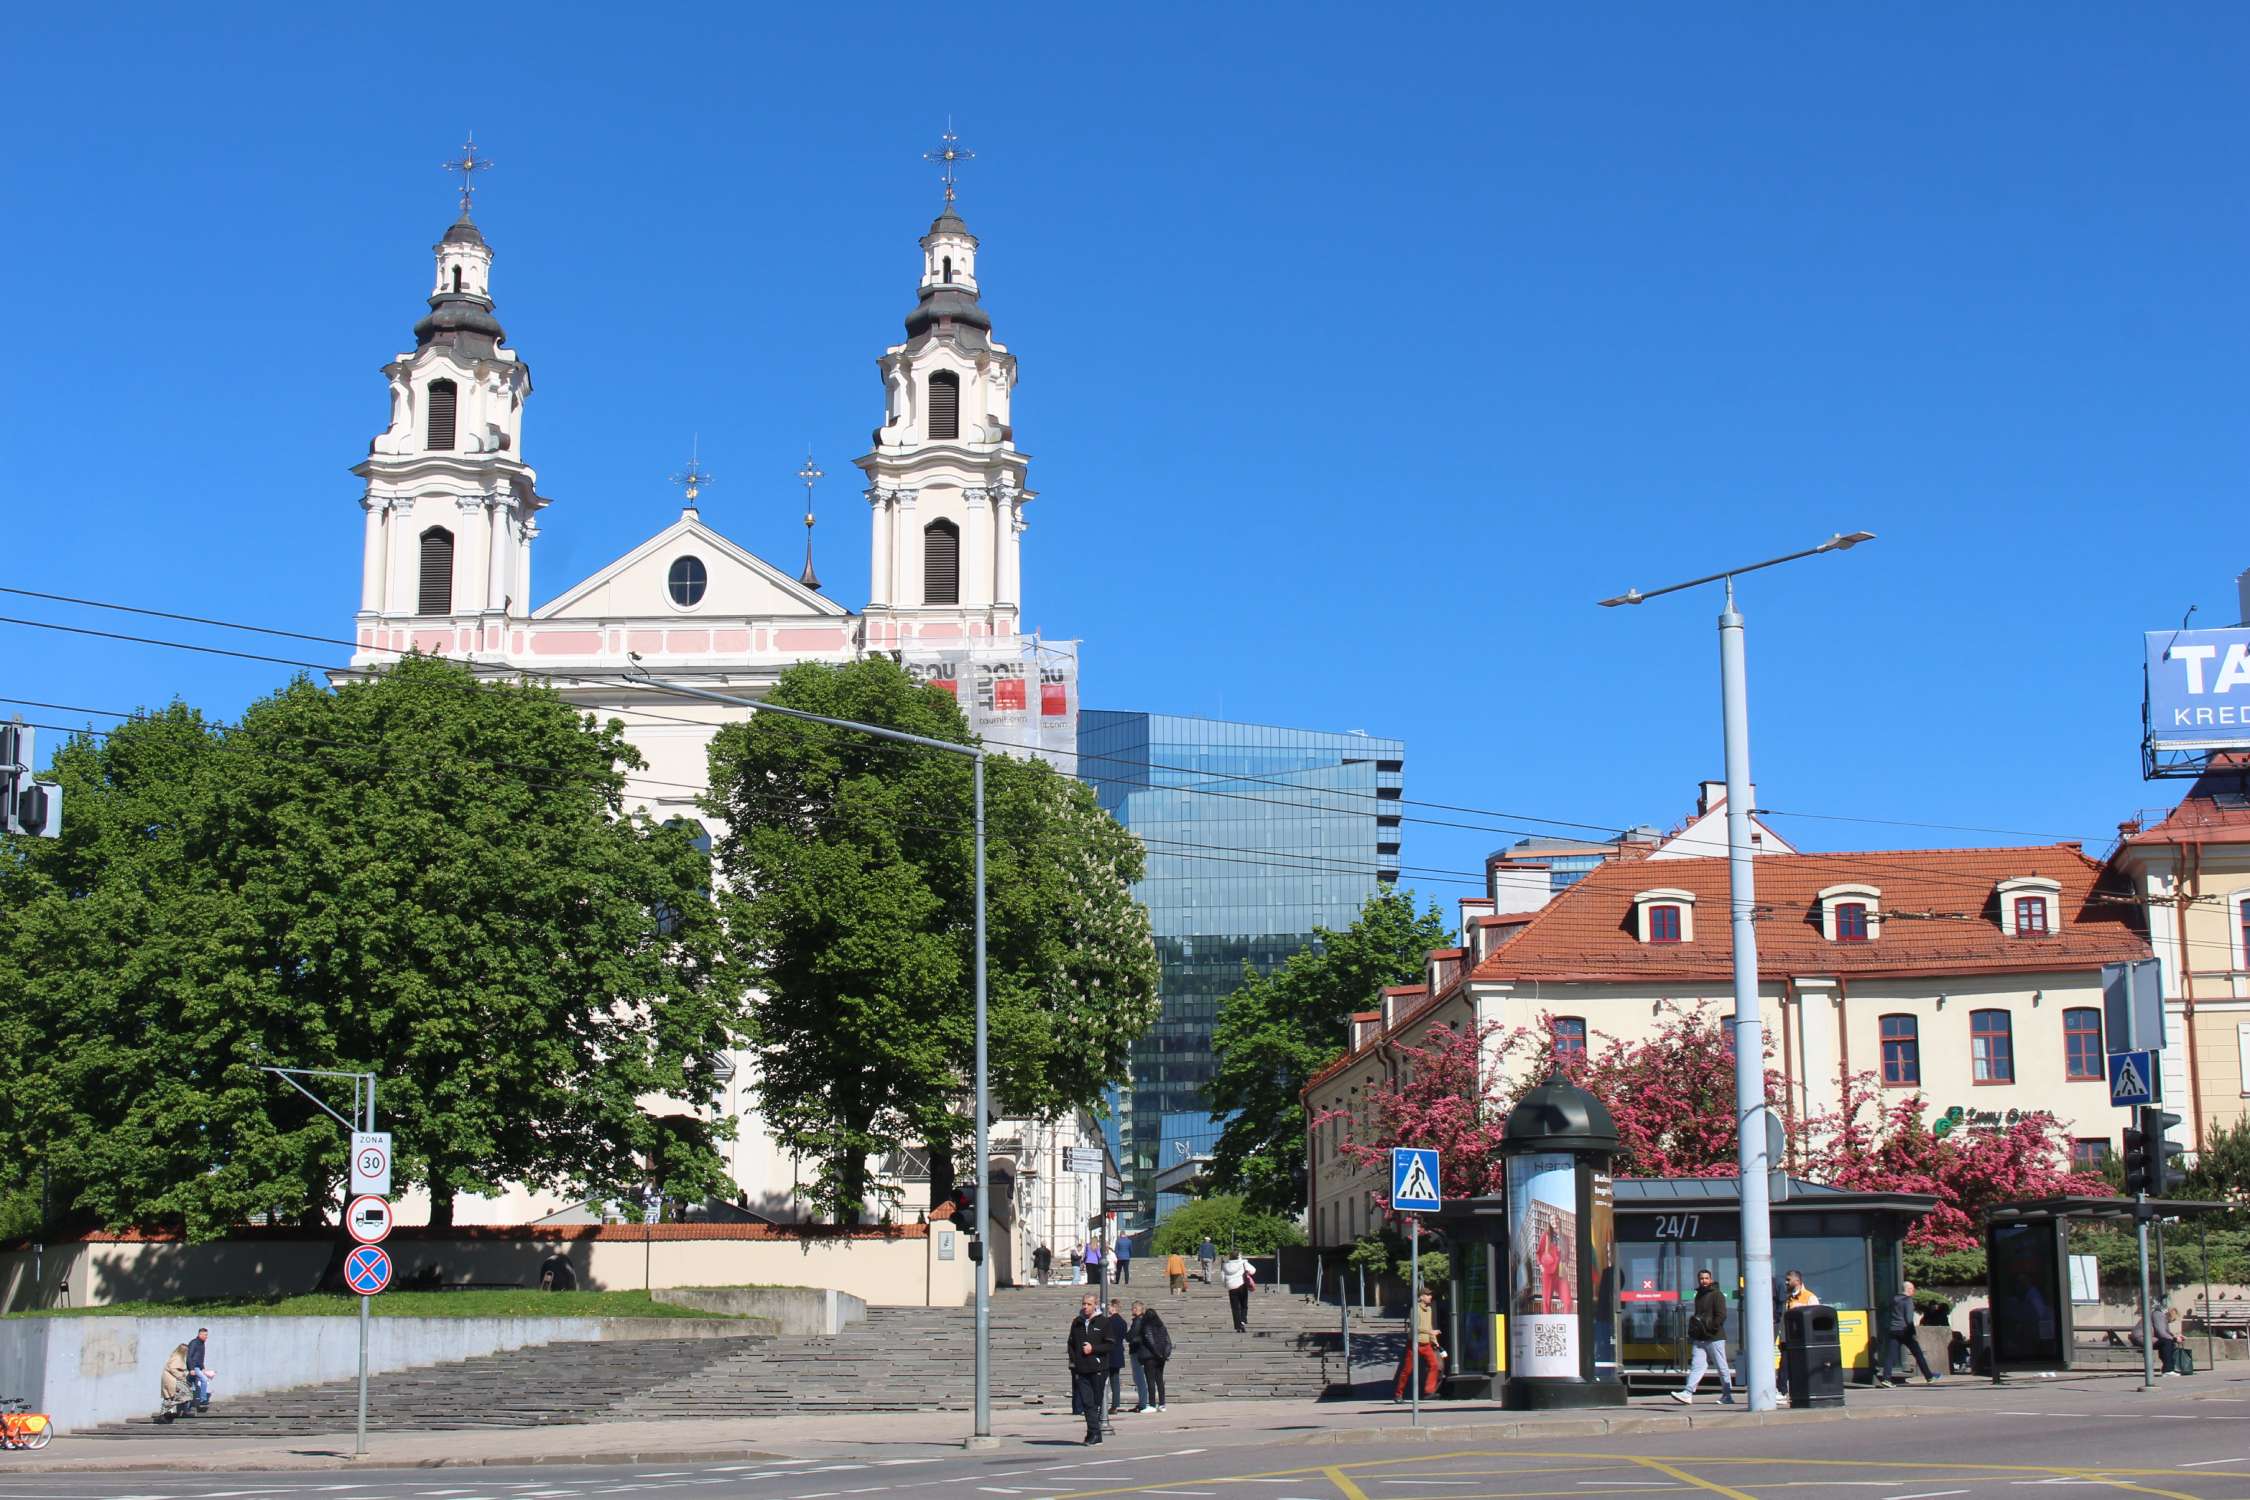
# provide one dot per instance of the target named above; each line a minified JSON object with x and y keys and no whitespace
{"x":2029,"y":906}
{"x":1851,"y":913}
{"x":1664,"y":916}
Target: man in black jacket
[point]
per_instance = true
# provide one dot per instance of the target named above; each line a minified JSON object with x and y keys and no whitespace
{"x":1089,"y":1362}
{"x":1707,"y":1335}
{"x":1151,"y":1345}
{"x":1898,"y":1333}
{"x":1119,"y":1333}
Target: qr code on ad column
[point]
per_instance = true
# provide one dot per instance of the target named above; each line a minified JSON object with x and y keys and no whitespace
{"x":1550,"y":1341}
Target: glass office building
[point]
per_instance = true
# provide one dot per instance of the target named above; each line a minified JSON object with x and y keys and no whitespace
{"x":1255,"y":835}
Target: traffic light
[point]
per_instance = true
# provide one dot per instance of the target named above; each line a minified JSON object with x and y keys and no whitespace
{"x":2163,"y":1176}
{"x":2136,"y":1162}
{"x":32,"y":808}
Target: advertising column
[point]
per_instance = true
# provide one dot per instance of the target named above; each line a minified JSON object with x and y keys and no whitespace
{"x":1562,"y":1252}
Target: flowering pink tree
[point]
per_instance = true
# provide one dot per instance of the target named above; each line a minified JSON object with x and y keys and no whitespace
{"x":1871,"y":1146}
{"x":1671,"y":1094}
{"x":1452,"y":1092}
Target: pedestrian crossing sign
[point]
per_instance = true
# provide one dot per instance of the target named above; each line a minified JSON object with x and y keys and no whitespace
{"x":2132,"y":1078}
{"x":1414,"y":1180}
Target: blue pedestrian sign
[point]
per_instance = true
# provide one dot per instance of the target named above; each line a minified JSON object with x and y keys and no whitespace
{"x":1414,"y":1180}
{"x":2132,"y":1078}
{"x":368,"y":1269}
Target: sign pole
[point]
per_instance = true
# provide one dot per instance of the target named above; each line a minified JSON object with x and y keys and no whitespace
{"x":1414,"y":1315}
{"x":359,"y":1449}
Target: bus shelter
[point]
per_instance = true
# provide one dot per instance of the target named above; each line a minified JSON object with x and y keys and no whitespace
{"x":1846,"y":1245}
{"x":2046,"y":1306}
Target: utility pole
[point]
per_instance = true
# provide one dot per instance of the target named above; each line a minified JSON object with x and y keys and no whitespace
{"x":1749,"y":1027}
{"x":981,"y":1437}
{"x":363,"y":1089}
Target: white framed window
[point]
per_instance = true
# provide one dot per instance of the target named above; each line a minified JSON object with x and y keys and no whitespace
{"x":1664,"y":915}
{"x":2030,"y":906}
{"x":1851,"y":913}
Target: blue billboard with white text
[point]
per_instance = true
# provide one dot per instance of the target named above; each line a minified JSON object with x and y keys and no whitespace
{"x":2198,"y":690}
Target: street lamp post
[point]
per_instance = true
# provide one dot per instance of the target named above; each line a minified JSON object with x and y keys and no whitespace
{"x":1749,"y":1027}
{"x":983,"y":1429}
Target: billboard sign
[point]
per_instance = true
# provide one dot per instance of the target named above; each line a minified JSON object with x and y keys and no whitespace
{"x":2198,"y":690}
{"x":1021,"y":700}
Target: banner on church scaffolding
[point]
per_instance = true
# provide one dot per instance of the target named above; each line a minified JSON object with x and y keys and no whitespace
{"x":1022,"y":700}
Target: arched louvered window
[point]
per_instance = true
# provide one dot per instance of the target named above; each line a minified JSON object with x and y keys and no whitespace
{"x":949,"y":270}
{"x":945,"y":405}
{"x":457,"y":278}
{"x":437,"y":572}
{"x":941,"y":563}
{"x":443,"y":398}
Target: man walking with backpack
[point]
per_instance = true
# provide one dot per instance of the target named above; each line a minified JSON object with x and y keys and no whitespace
{"x":1707,"y":1334}
{"x":1152,"y":1346}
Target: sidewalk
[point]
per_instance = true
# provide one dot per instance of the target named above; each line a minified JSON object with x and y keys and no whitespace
{"x":896,"y":1435}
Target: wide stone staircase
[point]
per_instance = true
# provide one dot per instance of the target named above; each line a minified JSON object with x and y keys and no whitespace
{"x":899,"y":1359}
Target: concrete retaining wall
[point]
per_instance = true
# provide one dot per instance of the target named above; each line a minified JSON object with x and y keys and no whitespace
{"x":916,"y":1267}
{"x":794,"y":1310}
{"x":87,"y":1371}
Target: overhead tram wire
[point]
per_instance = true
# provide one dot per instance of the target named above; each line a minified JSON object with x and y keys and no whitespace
{"x":1718,"y":848}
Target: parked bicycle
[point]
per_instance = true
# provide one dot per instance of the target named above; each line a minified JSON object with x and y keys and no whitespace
{"x":21,"y":1427}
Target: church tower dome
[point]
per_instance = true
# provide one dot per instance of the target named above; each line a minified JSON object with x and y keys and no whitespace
{"x":945,"y":480}
{"x":450,"y":505}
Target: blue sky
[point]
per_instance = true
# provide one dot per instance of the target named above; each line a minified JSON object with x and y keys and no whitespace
{"x":1363,"y":349}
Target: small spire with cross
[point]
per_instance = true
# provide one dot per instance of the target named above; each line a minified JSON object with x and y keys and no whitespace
{"x":811,"y":475}
{"x":468,"y":166}
{"x":949,"y":155}
{"x":694,"y":477}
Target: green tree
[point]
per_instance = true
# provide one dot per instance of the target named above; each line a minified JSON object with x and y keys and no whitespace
{"x":1230,"y":1222}
{"x":850,"y":868}
{"x":1279,"y":1029}
{"x":418,"y":875}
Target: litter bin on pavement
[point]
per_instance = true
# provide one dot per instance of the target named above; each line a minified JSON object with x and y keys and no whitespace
{"x":1815,"y":1353}
{"x":1980,"y":1341}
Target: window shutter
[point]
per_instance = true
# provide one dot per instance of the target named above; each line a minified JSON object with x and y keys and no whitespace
{"x":442,"y":400}
{"x":437,"y":572}
{"x":945,"y":405}
{"x":941,"y":563}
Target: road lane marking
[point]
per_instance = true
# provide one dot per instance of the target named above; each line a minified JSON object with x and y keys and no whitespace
{"x":2205,"y":1463}
{"x":1685,"y":1477}
{"x":1343,"y":1483}
{"x":1925,"y":1495}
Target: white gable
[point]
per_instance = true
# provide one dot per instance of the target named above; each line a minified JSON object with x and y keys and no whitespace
{"x":739,"y":584}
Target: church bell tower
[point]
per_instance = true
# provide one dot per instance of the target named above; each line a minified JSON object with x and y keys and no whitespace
{"x":450,"y":504}
{"x":945,"y":482}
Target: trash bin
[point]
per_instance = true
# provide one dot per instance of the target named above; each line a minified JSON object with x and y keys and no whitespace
{"x":1980,"y":1341}
{"x":1815,"y":1354}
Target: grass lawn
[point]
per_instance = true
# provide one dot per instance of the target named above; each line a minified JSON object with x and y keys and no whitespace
{"x":504,"y":1302}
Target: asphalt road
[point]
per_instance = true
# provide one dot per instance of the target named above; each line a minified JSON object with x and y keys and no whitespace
{"x":2102,"y":1436}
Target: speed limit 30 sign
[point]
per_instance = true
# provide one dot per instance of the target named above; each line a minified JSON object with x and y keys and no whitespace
{"x":371,"y":1163}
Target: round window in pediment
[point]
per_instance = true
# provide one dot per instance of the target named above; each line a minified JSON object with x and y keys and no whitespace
{"x":687,"y":581}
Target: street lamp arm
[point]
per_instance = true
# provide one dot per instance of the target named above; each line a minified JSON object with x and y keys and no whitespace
{"x":1840,"y":542}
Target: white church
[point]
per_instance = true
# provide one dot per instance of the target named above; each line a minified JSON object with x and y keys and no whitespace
{"x":452,"y":508}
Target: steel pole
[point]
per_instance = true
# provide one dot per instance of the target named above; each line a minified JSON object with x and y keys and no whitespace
{"x":1749,"y":1026}
{"x":359,"y":1448}
{"x":984,"y":1171}
{"x":2148,"y":1322}
{"x":1414,"y":1316}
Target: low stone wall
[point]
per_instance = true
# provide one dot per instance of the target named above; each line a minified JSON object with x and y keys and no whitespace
{"x":910,"y":1265}
{"x":91,"y":1370}
{"x":794,"y":1310}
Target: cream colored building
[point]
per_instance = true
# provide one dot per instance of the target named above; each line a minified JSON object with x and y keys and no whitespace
{"x":1969,"y":977}
{"x":451,"y":510}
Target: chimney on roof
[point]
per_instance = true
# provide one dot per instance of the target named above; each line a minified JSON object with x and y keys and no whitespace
{"x":1714,"y":795}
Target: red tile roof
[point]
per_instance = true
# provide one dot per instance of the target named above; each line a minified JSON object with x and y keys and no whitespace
{"x":2216,"y":809}
{"x":1937,"y":914}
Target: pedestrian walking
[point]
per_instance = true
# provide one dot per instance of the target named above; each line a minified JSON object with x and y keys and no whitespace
{"x":1151,"y":1343}
{"x":1235,"y":1272}
{"x":1043,"y":1265}
{"x":1175,"y":1272}
{"x":1089,"y":1363}
{"x":1898,"y":1333}
{"x":1707,"y":1336}
{"x":1791,"y":1293}
{"x":198,"y":1368}
{"x":1205,"y":1254}
{"x":1421,"y":1350}
{"x":1093,"y":1262}
{"x":1119,"y":1350}
{"x":1123,"y":1269}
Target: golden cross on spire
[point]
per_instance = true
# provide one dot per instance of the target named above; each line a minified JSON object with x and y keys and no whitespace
{"x":468,"y":166}
{"x":951,"y":154}
{"x":811,"y":475}
{"x":694,"y":477}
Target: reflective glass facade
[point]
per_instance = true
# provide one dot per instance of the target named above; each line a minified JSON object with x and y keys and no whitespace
{"x":1255,"y":835}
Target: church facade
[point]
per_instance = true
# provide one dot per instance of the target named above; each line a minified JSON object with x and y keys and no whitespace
{"x":452,"y":510}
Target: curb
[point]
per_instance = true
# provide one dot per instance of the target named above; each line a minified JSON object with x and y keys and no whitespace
{"x":1577,"y":1427}
{"x":330,"y":1463}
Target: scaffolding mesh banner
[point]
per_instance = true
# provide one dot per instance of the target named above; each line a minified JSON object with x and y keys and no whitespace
{"x":1022,"y":699}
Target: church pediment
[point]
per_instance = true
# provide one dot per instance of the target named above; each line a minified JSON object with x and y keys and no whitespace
{"x":688,"y":571}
